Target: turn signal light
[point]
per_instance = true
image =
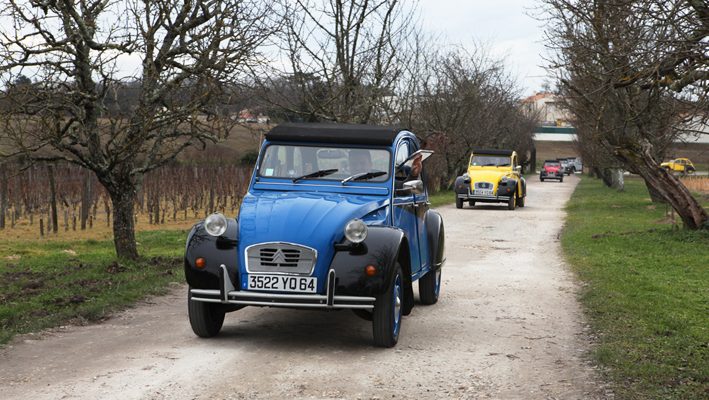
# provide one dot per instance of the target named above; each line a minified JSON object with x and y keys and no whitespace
{"x":370,"y":270}
{"x":200,"y":263}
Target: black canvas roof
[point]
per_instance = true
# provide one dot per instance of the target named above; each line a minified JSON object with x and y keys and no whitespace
{"x":493,"y":152}
{"x":334,"y":133}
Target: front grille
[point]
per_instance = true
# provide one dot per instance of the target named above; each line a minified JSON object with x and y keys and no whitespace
{"x":483,"y":185}
{"x":286,"y":258}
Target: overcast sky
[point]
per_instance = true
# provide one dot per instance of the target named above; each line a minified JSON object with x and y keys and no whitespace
{"x":505,"y":25}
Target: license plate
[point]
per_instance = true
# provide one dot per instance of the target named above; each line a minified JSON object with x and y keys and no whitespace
{"x":483,"y":192}
{"x":281,"y":283}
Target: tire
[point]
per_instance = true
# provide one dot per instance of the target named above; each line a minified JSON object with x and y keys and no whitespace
{"x":206,"y":319}
{"x":520,"y":201}
{"x":541,"y":179}
{"x":430,"y":287}
{"x":471,"y":203}
{"x":458,"y":202}
{"x":512,"y":202}
{"x":387,"y":315}
{"x":690,"y":171}
{"x":562,"y":178}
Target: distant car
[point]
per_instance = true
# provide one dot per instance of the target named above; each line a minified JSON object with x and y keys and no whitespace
{"x":551,"y":170}
{"x":336,"y":217}
{"x":575,"y":164}
{"x":681,"y":165}
{"x":566,"y":165}
{"x":493,"y":177}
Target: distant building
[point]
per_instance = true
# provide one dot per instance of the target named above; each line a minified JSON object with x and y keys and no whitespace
{"x":549,"y":108}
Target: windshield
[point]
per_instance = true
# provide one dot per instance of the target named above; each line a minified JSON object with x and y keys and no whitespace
{"x":490,"y":161}
{"x":334,"y":163}
{"x":551,"y":164}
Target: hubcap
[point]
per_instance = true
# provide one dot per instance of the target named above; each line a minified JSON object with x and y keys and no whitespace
{"x":397,"y":305}
{"x":438,"y":282}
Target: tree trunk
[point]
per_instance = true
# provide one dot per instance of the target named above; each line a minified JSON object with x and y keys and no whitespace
{"x":53,"y":199}
{"x":655,"y":196}
{"x":3,"y":195}
{"x":693,"y":215}
{"x":123,"y":222}
{"x":85,"y":200}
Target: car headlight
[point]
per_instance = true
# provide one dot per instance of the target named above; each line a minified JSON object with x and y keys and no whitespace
{"x":356,"y":231}
{"x":215,"y":224}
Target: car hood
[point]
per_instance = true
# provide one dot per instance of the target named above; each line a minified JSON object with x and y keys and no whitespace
{"x":311,"y":219}
{"x":486,"y":175}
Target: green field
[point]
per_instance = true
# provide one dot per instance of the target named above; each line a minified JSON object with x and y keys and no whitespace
{"x":646,"y":291}
{"x":47,"y":283}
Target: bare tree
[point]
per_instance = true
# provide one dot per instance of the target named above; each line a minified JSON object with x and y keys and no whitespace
{"x":634,"y":72}
{"x":469,"y":100}
{"x":344,"y":58}
{"x":78,"y":53}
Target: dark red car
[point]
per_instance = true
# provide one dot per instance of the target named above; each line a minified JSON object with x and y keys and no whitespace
{"x":551,"y":170}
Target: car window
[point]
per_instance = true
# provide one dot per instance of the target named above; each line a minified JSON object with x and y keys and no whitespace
{"x":291,"y":161}
{"x":402,"y":153}
{"x":489,"y":161}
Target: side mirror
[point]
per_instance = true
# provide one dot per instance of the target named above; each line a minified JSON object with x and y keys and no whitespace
{"x":518,"y":168}
{"x":411,"y":187}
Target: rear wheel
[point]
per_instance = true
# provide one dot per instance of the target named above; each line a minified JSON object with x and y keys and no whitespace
{"x":541,"y":179}
{"x":471,"y":203}
{"x":520,"y":201}
{"x":512,"y":202}
{"x":430,"y":287}
{"x":206,"y":319}
{"x":458,"y":202}
{"x":386,"y":318}
{"x":562,"y":178}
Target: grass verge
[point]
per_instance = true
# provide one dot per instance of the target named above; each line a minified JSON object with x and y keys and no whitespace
{"x":442,"y":198}
{"x":646,"y":291}
{"x":47,"y":283}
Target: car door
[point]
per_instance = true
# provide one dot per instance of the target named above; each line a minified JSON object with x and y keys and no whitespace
{"x":421,"y":206}
{"x":404,"y":212}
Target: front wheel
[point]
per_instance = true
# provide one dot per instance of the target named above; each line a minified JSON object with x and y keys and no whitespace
{"x":458,"y":202}
{"x":430,"y":287}
{"x":206,"y":319}
{"x":386,"y":318}
{"x":520,"y":201}
{"x":512,"y":202}
{"x":471,"y":203}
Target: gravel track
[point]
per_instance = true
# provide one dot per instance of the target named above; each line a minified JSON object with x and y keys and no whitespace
{"x":507,"y":326}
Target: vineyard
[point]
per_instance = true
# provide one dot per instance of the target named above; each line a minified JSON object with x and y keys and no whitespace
{"x":64,"y":200}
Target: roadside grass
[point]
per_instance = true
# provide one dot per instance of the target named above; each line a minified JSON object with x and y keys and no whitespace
{"x":441,"y":198}
{"x":646,"y":291}
{"x":44,"y":284}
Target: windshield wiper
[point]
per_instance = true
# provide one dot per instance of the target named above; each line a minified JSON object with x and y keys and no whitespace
{"x":490,"y":165}
{"x":316,"y":174}
{"x":363,"y":176}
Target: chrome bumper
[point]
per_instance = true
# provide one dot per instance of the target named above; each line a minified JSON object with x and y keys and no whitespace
{"x":470,"y":196}
{"x":229,"y":295}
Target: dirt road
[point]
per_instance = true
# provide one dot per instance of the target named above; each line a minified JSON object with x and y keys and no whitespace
{"x":507,"y":327}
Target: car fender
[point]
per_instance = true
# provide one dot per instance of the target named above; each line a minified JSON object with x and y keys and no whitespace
{"x":216,"y":251}
{"x":460,"y":186}
{"x":436,"y":239}
{"x":381,"y":249}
